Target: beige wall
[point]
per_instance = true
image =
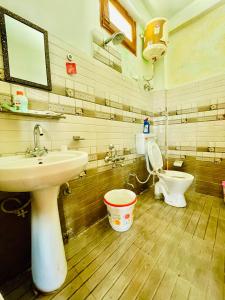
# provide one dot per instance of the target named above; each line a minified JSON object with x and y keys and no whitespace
{"x":193,"y":92}
{"x":196,"y":51}
{"x":74,"y":21}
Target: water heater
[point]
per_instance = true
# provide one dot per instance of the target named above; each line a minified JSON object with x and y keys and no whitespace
{"x":155,"y":39}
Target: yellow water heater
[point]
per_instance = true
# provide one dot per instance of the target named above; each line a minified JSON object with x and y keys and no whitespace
{"x":155,"y":39}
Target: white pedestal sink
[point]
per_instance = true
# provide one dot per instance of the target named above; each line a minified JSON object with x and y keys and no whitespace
{"x":43,"y":177}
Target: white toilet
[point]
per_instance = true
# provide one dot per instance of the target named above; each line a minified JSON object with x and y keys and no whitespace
{"x":172,"y":184}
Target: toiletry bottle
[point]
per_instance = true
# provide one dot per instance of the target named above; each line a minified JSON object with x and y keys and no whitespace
{"x":20,"y":101}
{"x":146,"y":128}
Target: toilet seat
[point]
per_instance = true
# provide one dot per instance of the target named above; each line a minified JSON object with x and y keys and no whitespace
{"x":175,"y":175}
{"x":155,"y":156}
{"x":172,"y":184}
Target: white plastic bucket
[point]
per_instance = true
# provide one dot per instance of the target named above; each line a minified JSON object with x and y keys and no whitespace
{"x":120,"y":205}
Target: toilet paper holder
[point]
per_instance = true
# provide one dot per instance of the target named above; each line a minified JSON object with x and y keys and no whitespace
{"x":178,"y":163}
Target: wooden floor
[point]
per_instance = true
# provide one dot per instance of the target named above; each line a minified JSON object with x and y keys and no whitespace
{"x":170,"y":253}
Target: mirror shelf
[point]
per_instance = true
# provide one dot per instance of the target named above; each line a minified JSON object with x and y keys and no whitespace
{"x":36,"y":113}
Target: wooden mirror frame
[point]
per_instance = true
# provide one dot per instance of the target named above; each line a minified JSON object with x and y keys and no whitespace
{"x":7,"y":75}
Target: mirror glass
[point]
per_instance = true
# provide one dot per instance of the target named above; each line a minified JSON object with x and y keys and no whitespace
{"x":25,"y":52}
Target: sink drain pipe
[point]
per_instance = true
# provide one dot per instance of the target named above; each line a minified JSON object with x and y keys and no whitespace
{"x":66,"y":189}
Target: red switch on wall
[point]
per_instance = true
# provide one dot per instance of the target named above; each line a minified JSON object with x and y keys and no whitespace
{"x":71,"y":68}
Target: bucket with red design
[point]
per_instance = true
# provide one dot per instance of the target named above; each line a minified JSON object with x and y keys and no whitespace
{"x":120,"y":205}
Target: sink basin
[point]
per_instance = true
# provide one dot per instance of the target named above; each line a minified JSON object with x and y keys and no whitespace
{"x":42,"y":176}
{"x":21,"y":174}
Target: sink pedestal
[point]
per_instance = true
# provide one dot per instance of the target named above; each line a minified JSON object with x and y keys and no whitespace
{"x":21,"y":174}
{"x":49,"y":266}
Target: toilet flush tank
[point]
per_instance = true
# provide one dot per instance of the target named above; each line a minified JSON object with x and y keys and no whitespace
{"x":155,"y":39}
{"x":141,"y":141}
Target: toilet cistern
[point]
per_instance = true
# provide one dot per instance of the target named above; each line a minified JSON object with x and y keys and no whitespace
{"x":38,"y":150}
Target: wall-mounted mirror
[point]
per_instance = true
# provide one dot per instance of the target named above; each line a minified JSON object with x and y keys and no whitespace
{"x":25,"y":51}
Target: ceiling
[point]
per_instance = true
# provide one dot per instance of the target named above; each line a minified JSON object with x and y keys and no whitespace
{"x":178,"y":12}
{"x":162,"y":8}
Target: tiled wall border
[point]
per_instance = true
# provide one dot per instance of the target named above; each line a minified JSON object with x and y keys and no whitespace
{"x":107,"y":61}
{"x":137,"y":114}
{"x":105,"y":102}
{"x":129,"y":160}
{"x":198,"y":149}
{"x":213,"y":160}
{"x":203,"y":156}
{"x":213,"y":154}
{"x":102,"y":155}
{"x":191,"y":110}
{"x":214,"y":115}
{"x":106,"y":54}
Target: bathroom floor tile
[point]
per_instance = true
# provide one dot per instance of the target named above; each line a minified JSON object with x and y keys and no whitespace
{"x":169,"y":253}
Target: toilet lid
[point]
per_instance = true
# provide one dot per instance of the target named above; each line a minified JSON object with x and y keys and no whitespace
{"x":154,"y":155}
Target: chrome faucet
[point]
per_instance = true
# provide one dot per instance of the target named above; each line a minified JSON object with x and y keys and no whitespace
{"x":113,"y":157}
{"x":37,"y":133}
{"x":38,"y":150}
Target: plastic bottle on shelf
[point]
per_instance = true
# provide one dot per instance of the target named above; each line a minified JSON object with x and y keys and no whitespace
{"x":146,"y":128}
{"x":20,"y":101}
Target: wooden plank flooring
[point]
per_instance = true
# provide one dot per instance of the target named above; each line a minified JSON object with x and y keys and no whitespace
{"x":169,"y":253}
